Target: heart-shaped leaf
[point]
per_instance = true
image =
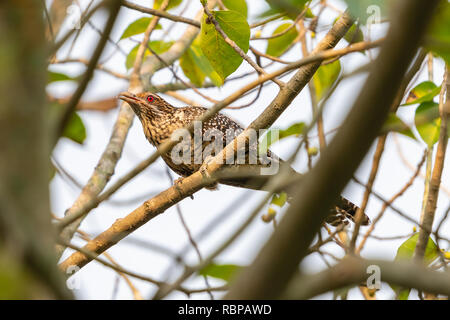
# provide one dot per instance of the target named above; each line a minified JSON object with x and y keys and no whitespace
{"x":424,"y":91}
{"x":277,"y":46}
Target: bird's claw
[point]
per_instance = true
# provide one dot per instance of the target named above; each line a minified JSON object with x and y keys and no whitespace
{"x":204,"y":167}
{"x":177,"y":184}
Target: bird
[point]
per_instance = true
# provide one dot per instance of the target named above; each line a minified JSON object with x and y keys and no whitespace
{"x":160,"y":120}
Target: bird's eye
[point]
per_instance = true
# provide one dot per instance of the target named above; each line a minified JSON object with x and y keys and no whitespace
{"x":150,"y":98}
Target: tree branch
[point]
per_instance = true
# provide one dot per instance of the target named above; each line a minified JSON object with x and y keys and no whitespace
{"x":430,"y":206}
{"x":161,"y":13}
{"x":274,"y":266}
{"x":153,"y":207}
{"x":72,"y":104}
{"x":352,"y":271}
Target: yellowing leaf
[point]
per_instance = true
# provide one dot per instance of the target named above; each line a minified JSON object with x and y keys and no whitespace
{"x":203,"y":63}
{"x":190,"y":68}
{"x":279,"y":200}
{"x":325,"y":77}
{"x":429,"y":131}
{"x":277,"y":46}
{"x":424,"y":91}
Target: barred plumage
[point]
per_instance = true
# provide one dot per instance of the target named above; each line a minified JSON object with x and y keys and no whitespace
{"x":160,"y":119}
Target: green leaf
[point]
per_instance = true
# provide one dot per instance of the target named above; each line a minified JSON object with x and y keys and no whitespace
{"x":277,"y":46}
{"x":354,"y":34}
{"x":394,"y":123}
{"x":429,"y":131}
{"x":406,"y":251}
{"x":424,"y":91}
{"x":172,"y":4}
{"x":309,"y":14}
{"x":295,"y":129}
{"x":279,"y":200}
{"x":291,"y":7}
{"x":158,"y":46}
{"x":325,"y":77}
{"x":275,"y":134}
{"x":222,"y":56}
{"x":137,"y":27}
{"x":201,"y":65}
{"x":236,"y":5}
{"x":368,"y":10}
{"x":438,"y":35}
{"x":57,"y":76}
{"x":190,"y":68}
{"x":75,"y":129}
{"x":221,"y":271}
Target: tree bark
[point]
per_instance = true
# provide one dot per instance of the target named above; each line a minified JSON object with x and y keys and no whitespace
{"x":271,"y":271}
{"x":26,"y":237}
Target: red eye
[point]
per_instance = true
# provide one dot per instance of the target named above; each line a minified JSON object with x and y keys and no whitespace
{"x":150,"y":98}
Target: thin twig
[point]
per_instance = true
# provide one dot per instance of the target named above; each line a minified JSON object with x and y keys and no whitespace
{"x":161,"y":13}
{"x":72,"y":104}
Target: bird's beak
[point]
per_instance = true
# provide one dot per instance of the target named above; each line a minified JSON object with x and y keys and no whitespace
{"x":128,"y":97}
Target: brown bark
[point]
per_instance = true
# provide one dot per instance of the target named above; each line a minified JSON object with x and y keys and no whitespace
{"x":26,"y":237}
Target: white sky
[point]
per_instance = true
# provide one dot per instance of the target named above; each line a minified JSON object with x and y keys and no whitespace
{"x":97,"y":282}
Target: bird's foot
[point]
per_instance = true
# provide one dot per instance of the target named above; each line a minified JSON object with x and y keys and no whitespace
{"x":177,"y":184}
{"x":205,"y":172}
{"x":204,"y":167}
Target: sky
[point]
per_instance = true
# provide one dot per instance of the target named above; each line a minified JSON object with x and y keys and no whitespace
{"x":151,"y":248}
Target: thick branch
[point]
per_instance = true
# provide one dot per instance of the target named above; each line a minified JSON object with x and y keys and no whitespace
{"x":430,"y":206}
{"x":107,"y":163}
{"x":278,"y":260}
{"x":153,"y":207}
{"x":352,"y":271}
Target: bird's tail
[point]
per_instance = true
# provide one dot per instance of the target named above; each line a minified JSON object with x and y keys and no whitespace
{"x":340,"y":214}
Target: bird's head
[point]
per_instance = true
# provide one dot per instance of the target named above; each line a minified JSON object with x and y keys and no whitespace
{"x":146,"y":103}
